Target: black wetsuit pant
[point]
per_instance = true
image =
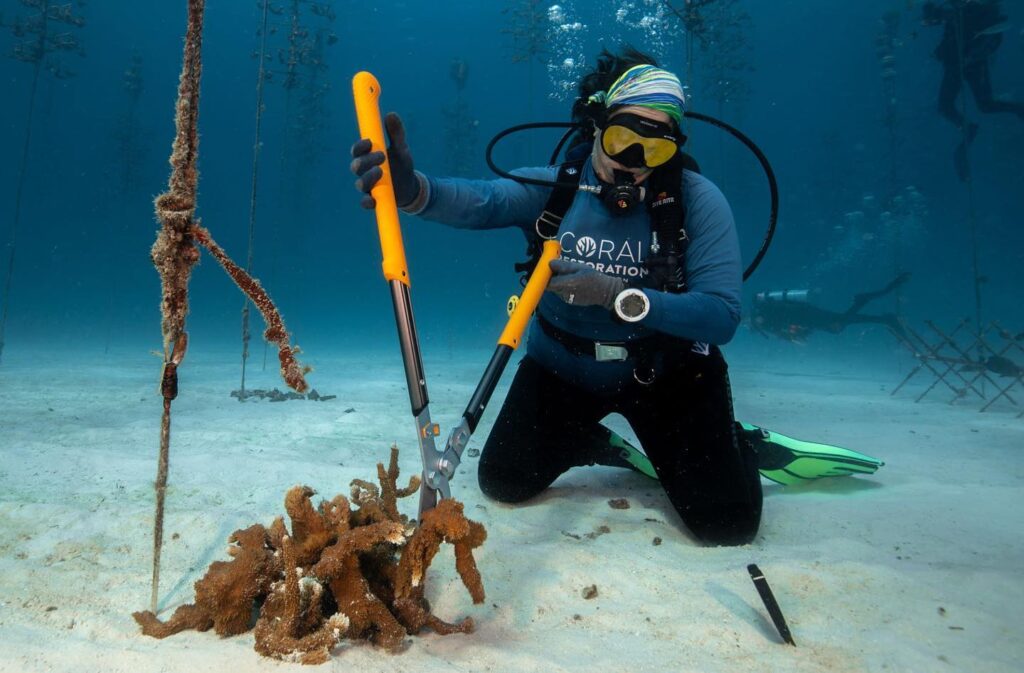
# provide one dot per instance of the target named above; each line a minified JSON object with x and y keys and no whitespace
{"x":976,"y":74}
{"x":684,"y":421}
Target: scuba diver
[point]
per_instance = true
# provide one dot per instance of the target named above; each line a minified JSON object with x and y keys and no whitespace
{"x":646,"y":290}
{"x":972,"y":33}
{"x":789,"y":314}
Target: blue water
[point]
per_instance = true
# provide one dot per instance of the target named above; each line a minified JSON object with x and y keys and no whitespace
{"x":815,"y":104}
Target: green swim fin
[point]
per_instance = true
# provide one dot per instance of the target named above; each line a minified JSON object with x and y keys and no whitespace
{"x":781,"y":459}
{"x":633,"y":457}
{"x":786,"y":460}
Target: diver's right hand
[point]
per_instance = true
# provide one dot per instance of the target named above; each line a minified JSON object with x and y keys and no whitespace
{"x":367,"y":165}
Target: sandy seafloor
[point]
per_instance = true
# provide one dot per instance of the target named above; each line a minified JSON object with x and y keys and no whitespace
{"x":915,"y":569}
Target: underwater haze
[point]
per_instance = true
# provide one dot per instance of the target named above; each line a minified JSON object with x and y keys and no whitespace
{"x":810,"y":93}
{"x":913,"y":568}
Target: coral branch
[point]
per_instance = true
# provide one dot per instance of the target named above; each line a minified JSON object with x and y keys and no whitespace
{"x":292,"y":372}
{"x":340,"y":566}
{"x":311,"y":532}
{"x":186,"y":617}
{"x":444,"y":523}
{"x":225,"y":596}
{"x":354,"y":541}
{"x":291,"y":626}
{"x":381,"y":504}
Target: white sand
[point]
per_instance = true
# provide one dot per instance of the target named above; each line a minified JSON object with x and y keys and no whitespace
{"x":914,"y":569}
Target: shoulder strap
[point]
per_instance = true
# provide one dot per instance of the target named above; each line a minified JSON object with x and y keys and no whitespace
{"x":666,"y":206}
{"x":546,"y":226}
{"x":560,"y":200}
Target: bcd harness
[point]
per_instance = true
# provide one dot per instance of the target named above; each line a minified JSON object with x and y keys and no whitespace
{"x":669,"y":241}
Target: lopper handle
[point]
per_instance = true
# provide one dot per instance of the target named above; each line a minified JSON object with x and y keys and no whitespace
{"x":366,"y":92}
{"x":512,"y":335}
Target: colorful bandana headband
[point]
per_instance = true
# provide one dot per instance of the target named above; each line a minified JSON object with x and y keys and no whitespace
{"x":648,"y":86}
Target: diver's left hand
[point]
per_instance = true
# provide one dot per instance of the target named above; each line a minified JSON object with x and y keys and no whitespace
{"x":579,"y":285}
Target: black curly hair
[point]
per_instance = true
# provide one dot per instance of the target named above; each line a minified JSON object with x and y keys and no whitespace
{"x":610,"y":67}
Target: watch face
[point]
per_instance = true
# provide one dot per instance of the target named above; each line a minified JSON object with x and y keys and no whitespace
{"x":632,"y":305}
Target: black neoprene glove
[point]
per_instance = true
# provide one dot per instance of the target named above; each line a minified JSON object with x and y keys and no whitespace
{"x":366,"y":165}
{"x":580,"y":285}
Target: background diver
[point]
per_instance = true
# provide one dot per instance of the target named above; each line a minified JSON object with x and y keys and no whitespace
{"x":789,"y":314}
{"x":621,"y":337}
{"x":972,"y":34}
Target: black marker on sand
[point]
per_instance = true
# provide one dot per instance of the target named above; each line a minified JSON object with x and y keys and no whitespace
{"x":769,"y":602}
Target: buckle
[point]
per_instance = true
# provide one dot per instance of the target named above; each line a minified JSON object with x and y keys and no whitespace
{"x":551,"y":223}
{"x":610,"y":352}
{"x":646,"y":379}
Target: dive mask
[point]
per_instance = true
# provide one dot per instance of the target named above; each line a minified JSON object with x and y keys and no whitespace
{"x":639,"y":142}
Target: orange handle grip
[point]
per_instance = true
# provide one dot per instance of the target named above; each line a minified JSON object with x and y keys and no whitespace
{"x":366,"y":92}
{"x":513,"y":333}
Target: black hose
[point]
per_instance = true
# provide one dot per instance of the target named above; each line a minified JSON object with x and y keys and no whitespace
{"x":773,"y":186}
{"x":525,"y":127}
{"x":773,"y":216}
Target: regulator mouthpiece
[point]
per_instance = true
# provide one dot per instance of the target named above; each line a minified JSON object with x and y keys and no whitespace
{"x":621,"y":197}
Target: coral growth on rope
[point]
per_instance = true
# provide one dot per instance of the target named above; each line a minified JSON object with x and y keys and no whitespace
{"x":340,"y":572}
{"x":174,"y":253}
{"x":291,"y":371}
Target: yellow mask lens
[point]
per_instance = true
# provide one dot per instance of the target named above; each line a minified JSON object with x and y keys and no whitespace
{"x":616,"y":139}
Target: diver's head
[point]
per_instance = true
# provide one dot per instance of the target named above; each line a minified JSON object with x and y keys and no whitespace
{"x":631,"y":111}
{"x":629,"y":77}
{"x":638,"y":129}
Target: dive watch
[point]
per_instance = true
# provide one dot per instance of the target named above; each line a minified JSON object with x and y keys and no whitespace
{"x":632,"y":305}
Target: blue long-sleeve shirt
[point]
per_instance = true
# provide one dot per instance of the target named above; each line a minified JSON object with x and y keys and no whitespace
{"x":708,"y":312}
